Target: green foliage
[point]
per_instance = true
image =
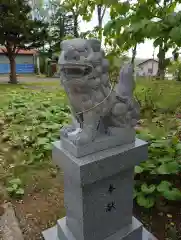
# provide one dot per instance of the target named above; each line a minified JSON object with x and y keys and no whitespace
{"x":116,"y":58}
{"x":19,"y":31}
{"x":175,"y":69}
{"x":32,"y":121}
{"x":132,"y":23}
{"x":147,"y":189}
{"x":90,"y":34}
{"x":118,"y":31}
{"x":14,"y":188}
{"x":61,"y":26}
{"x":145,"y":201}
{"x":157,"y":98}
{"x":164,"y":161}
{"x":78,"y":8}
{"x":89,"y":8}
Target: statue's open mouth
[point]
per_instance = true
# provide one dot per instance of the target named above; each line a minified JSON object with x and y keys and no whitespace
{"x":75,"y":71}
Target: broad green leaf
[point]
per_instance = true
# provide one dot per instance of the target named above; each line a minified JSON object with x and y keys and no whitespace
{"x":20,"y":191}
{"x":175,"y":34}
{"x":138,"y":169}
{"x":48,"y":146}
{"x":164,"y":186}
{"x":178,"y":146}
{"x":165,"y":159}
{"x":147,"y":166}
{"x":145,"y":201}
{"x":16,"y":181}
{"x":174,"y":194}
{"x":168,"y":168}
{"x":15,"y":186}
{"x":108,"y":27}
{"x":160,"y":144}
{"x":42,"y":141}
{"x":123,"y":8}
{"x":10,"y":189}
{"x":148,"y":189}
{"x":175,"y":140}
{"x":145,"y":135}
{"x":157,"y":42}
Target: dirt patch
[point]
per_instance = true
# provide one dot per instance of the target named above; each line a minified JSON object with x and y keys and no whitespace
{"x":43,"y":205}
{"x":40,"y":210}
{"x":165,"y":224}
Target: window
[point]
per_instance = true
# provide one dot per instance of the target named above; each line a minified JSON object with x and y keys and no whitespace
{"x":150,"y":70}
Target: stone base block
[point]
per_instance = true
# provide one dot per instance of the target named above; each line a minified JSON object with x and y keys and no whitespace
{"x":134,"y":231}
{"x":125,"y":136}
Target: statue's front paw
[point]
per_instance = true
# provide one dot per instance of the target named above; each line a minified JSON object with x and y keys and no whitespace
{"x":79,"y":137}
{"x":64,"y":131}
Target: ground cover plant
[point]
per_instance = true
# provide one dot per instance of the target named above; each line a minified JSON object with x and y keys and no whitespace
{"x":30,"y":119}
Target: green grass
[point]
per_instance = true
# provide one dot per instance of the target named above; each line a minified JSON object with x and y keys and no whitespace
{"x":53,"y":82}
{"x":30,"y":119}
{"x":160,"y":102}
{"x":165,"y":94}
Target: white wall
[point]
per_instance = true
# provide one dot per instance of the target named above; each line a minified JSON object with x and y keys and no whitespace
{"x":145,"y":68}
{"x":20,"y":59}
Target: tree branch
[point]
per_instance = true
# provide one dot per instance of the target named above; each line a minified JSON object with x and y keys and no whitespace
{"x":103,"y":13}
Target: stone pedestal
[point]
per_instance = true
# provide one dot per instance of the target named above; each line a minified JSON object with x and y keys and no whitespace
{"x":98,"y":191}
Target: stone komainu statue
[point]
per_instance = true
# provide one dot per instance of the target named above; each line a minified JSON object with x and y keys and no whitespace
{"x":98,"y":111}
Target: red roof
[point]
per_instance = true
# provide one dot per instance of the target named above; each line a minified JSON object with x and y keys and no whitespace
{"x":21,"y":51}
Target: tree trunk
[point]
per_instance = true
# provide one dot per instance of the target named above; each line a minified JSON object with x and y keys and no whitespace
{"x":99,"y":16}
{"x":13,"y":77}
{"x":133,"y":54}
{"x":161,"y":63}
{"x":76,"y":26}
{"x":133,"y":57}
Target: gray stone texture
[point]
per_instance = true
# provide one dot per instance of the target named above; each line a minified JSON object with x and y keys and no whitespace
{"x":97,"y":109}
{"x":65,"y":234}
{"x":99,"y":190}
{"x":129,"y":232}
{"x":99,"y":165}
{"x":126,"y":136}
{"x":9,"y":227}
{"x":89,"y":216}
{"x":98,"y":193}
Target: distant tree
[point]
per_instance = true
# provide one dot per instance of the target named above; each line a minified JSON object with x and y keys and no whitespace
{"x":98,"y":7}
{"x":19,"y":31}
{"x":132,"y":22}
{"x":78,"y":9}
{"x":174,"y":69}
{"x":61,"y":26}
{"x":38,"y":11}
